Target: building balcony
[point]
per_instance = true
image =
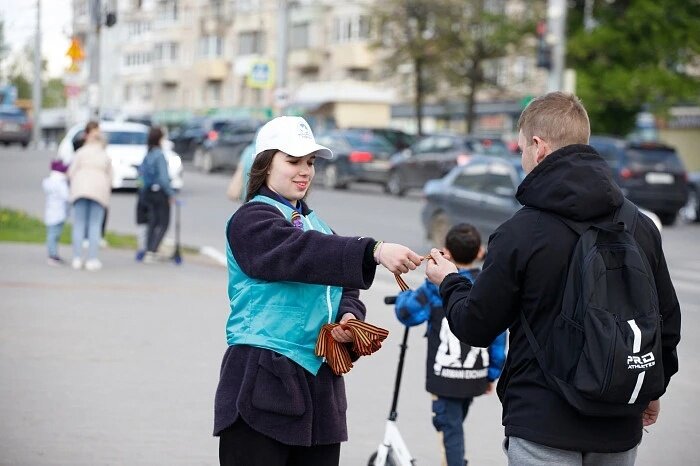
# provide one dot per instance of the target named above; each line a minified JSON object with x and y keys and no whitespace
{"x":305,"y":58}
{"x":212,"y":69}
{"x":168,"y":73}
{"x":357,"y":55}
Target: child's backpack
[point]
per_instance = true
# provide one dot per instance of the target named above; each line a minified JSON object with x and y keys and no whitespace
{"x":603,"y":353}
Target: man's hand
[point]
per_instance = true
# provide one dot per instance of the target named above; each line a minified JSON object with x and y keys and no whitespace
{"x":651,"y":414}
{"x":438,"y":267}
{"x":341,"y":335}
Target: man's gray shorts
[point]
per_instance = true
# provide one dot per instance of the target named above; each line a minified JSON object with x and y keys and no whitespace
{"x":525,"y":453}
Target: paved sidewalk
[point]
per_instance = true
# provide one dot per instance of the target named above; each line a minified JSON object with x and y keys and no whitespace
{"x":112,"y":367}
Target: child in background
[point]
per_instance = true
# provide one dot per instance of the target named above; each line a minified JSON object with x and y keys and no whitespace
{"x":56,"y":190}
{"x":455,"y":372}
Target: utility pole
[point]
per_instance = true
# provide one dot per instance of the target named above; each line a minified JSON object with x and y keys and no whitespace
{"x":282,"y":49}
{"x":36,"y":90}
{"x":556,"y":32}
{"x":94,"y":55}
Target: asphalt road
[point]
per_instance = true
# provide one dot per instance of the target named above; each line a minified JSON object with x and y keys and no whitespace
{"x":171,"y":392}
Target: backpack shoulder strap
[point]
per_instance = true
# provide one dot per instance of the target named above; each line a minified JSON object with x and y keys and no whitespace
{"x":628,"y":214}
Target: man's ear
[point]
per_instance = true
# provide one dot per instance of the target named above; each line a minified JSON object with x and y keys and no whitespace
{"x":482,"y":253}
{"x":446,"y":254}
{"x":541,"y":148}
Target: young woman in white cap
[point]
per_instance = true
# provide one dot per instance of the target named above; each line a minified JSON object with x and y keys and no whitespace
{"x":278,"y":404}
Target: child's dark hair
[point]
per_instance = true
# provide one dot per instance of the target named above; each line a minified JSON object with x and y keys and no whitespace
{"x":463,"y":242}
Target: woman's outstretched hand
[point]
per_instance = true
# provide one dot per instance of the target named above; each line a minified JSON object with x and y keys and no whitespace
{"x":398,"y":258}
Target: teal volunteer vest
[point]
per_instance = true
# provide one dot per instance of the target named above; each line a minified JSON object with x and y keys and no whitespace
{"x":285,"y":317}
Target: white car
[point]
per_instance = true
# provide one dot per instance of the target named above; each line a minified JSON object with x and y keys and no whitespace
{"x":126,"y":146}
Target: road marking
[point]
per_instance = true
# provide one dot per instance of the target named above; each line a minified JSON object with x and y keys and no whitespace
{"x":214,"y":254}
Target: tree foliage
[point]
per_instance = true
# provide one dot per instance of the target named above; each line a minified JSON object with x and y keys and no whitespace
{"x":407,"y":29}
{"x":639,"y":55}
{"x":475,"y":32}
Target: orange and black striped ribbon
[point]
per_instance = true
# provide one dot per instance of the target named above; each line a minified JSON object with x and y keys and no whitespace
{"x":367,"y":339}
{"x":402,"y":282}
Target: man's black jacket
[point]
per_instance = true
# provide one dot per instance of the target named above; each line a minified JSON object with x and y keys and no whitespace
{"x":525,"y":269}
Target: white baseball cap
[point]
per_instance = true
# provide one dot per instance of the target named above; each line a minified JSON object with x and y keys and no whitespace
{"x":291,"y":135}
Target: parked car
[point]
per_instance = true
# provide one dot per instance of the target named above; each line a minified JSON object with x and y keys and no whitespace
{"x":224,"y":147}
{"x":691,"y":211}
{"x":126,"y":146}
{"x":481,"y":192}
{"x":359,"y":155}
{"x":650,"y":174}
{"x":434,"y":156}
{"x":15,"y":127}
{"x":190,"y":136}
{"x":400,"y":140}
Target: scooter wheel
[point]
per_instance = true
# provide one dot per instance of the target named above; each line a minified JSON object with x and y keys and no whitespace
{"x":389,"y":460}
{"x":372,"y":458}
{"x":177,"y":260}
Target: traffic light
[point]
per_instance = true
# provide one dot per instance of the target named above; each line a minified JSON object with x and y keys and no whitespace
{"x":110,"y":19}
{"x":544,"y":50}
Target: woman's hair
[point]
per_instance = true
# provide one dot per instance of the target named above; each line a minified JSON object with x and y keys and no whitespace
{"x":155,"y":134}
{"x":258,"y":172}
{"x":558,"y":118}
{"x":90,"y":126}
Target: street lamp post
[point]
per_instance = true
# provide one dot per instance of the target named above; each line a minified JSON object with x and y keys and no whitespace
{"x":556,"y":31}
{"x":94,"y":54}
{"x":36,"y":89}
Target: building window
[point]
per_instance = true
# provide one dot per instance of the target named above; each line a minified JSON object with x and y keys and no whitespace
{"x":359,"y":74}
{"x":246,"y":5}
{"x":251,"y":42}
{"x":211,"y":46}
{"x":167,"y":10}
{"x":137,"y":59}
{"x":137,"y":28}
{"x":299,"y":36}
{"x":212,"y":93}
{"x":127,"y":92}
{"x":147,"y":92}
{"x":351,"y":28}
{"x":166,"y":52}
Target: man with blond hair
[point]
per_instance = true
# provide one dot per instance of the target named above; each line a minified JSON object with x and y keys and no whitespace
{"x":521,"y":287}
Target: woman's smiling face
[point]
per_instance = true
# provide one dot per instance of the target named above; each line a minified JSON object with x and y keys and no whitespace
{"x":290,"y":177}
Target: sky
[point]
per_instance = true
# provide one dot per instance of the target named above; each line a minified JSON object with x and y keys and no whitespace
{"x":20,"y":23}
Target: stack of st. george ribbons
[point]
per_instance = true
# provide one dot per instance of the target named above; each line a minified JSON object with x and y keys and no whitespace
{"x":367,"y":339}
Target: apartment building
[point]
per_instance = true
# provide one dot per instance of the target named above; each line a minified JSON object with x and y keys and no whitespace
{"x":173,"y":59}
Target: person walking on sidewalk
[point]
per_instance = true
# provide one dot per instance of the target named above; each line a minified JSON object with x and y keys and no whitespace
{"x":277,"y":403}
{"x":523,"y":286}
{"x":57,"y":194}
{"x":455,"y":372}
{"x":157,"y":192}
{"x":90,"y":175}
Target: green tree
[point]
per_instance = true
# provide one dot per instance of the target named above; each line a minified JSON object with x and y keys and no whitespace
{"x":53,"y":94}
{"x":21,"y":75}
{"x":475,"y":32}
{"x":637,"y":55}
{"x":407,"y":29}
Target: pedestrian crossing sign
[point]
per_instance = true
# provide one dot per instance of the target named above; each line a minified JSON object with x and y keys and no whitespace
{"x":261,"y":74}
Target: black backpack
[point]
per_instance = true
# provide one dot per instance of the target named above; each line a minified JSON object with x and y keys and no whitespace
{"x":603,"y":353}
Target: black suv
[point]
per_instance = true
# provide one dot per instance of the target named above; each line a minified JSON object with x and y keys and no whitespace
{"x":650,"y":174}
{"x":190,"y":136}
